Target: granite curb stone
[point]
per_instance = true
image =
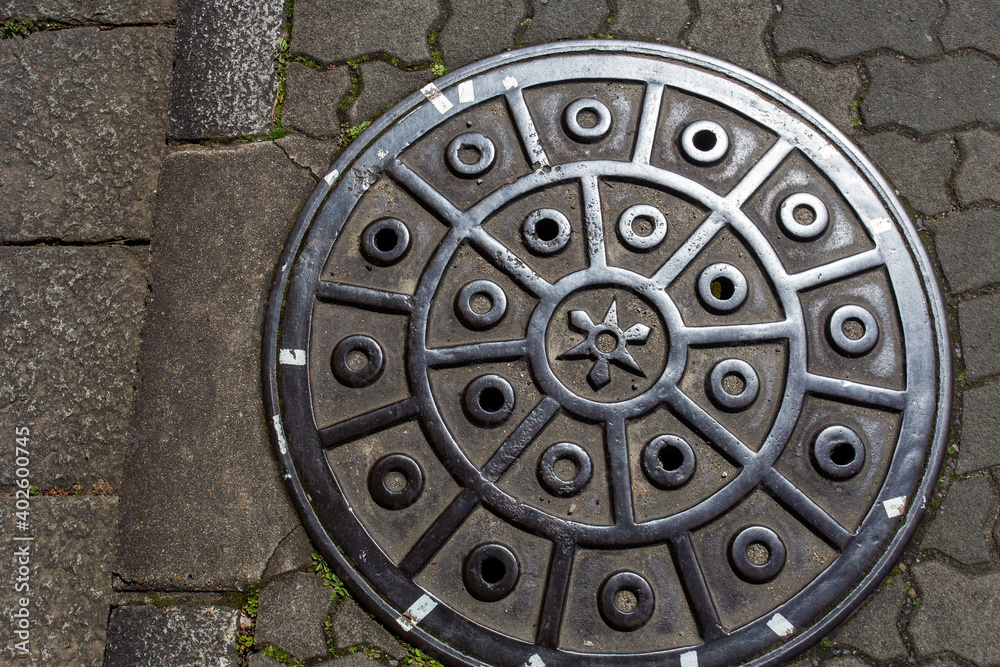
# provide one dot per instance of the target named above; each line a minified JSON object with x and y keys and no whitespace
{"x":145,"y":636}
{"x":826,"y":88}
{"x":312,"y":98}
{"x":290,"y":615}
{"x":918,"y":169}
{"x":382,"y":85}
{"x":873,"y":628}
{"x":103,"y":12}
{"x":980,"y":443}
{"x":968,"y":246}
{"x":963,"y":523}
{"x":978,"y":176}
{"x":475,"y":29}
{"x":733,"y":30}
{"x":552,"y":20}
{"x":653,"y":20}
{"x":979,"y":325}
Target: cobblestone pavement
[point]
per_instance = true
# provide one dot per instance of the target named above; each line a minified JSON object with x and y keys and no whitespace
{"x":152,"y":160}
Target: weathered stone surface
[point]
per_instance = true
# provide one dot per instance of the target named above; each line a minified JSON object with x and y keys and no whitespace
{"x":332,"y":31}
{"x":225,"y":78}
{"x":382,"y":85}
{"x":104,"y":12}
{"x":70,"y":326}
{"x":476,"y":29}
{"x":311,"y":154}
{"x":312,"y":99}
{"x":734,"y":30}
{"x":844,"y":661}
{"x":653,"y":20}
{"x":841,"y":30}
{"x":70,"y":579}
{"x":566,"y":19}
{"x":294,"y":552}
{"x":261,"y":660}
{"x":980,"y":443}
{"x":941,"y":661}
{"x":918,"y":170}
{"x":971,"y":24}
{"x":355,"y":660}
{"x":962,"y":527}
{"x":968,"y":245}
{"x":353,"y":627}
{"x":291,"y":613}
{"x":932,"y":97}
{"x":142,"y":636}
{"x":201,"y":504}
{"x":979,"y":323}
{"x":873,"y":629}
{"x":827,"y":89}
{"x":979,"y":173}
{"x":959,"y":613}
{"x":81,"y":132}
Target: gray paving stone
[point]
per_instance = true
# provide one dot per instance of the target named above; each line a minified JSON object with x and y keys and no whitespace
{"x":734,"y":30}
{"x":261,"y":660}
{"x":978,"y":176}
{"x":979,"y":324}
{"x":312,"y":154}
{"x":917,"y":169}
{"x":334,"y":31}
{"x":827,"y":89}
{"x":355,"y":660}
{"x":873,"y":629}
{"x":566,"y":19}
{"x":70,"y":579}
{"x":844,"y":661}
{"x":104,"y":12}
{"x":980,"y":443}
{"x":962,"y":527}
{"x":291,"y":613}
{"x":476,"y":29}
{"x":842,"y":30}
{"x":971,"y":24}
{"x":70,"y":326}
{"x":145,"y":636}
{"x":312,"y":98}
{"x":383,"y":85}
{"x":202,"y":507}
{"x":941,"y":661}
{"x":968,"y":245}
{"x":932,"y":97}
{"x":353,"y":627}
{"x":959,"y":613}
{"x":294,"y":552}
{"x":225,"y":78}
{"x":81,"y":132}
{"x":653,"y":20}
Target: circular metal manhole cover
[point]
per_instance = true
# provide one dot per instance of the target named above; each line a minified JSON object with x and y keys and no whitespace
{"x":607,"y":353}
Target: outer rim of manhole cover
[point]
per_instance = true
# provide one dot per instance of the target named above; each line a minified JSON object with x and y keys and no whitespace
{"x":770,"y":639}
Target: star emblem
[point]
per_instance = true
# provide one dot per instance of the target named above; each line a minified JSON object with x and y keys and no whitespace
{"x":606,"y":342}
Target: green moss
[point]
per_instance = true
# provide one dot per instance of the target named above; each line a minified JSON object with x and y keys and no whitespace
{"x":22,"y":29}
{"x":329,"y":578}
{"x":281,"y":655}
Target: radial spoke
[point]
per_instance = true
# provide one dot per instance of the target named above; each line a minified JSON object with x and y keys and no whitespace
{"x":526,"y":128}
{"x":594,"y":222}
{"x":806,"y":509}
{"x":508,"y":262}
{"x":856,"y":392}
{"x":711,"y":430}
{"x":366,"y":297}
{"x":837,"y":270}
{"x":646,"y":134}
{"x":760,"y":172}
{"x":693,"y":580}
{"x":734,"y":333}
{"x":422,"y":190}
{"x":439,"y":532}
{"x":555,"y":594}
{"x":518,"y":441}
{"x":376,"y":420}
{"x":621,"y":476}
{"x":689,"y":250}
{"x":458,"y":355}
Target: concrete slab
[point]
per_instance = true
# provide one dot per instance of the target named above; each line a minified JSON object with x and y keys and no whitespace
{"x":141,"y":636}
{"x":963,"y":525}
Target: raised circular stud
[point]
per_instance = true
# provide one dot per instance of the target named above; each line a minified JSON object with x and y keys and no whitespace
{"x":480,"y":304}
{"x":357,"y":361}
{"x":395,"y":481}
{"x":489,"y":400}
{"x":704,"y":141}
{"x":490,"y":572}
{"x":626,"y":601}
{"x":546,"y":231}
{"x":472,"y":145}
{"x":642,"y":212}
{"x":813,"y":213}
{"x":668,"y":461}
{"x":385,"y":241}
{"x":722,"y":287}
{"x":757,"y":554}
{"x":589,"y":107}
{"x":853,"y":330}
{"x":733,"y":384}
{"x":838,"y":452}
{"x":557,"y":461}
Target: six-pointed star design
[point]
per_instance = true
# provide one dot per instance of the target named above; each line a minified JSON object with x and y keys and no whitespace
{"x":600,"y":374}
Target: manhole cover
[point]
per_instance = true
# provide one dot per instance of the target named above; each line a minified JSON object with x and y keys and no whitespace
{"x":607,"y":353}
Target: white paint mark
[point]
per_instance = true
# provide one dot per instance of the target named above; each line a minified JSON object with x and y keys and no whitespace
{"x":292,"y":357}
{"x":381,"y":153}
{"x":331,"y":177}
{"x":780,"y":625}
{"x":894,"y":506}
{"x":881,"y":225}
{"x":509,"y":82}
{"x":535,"y":661}
{"x":417,"y":612}
{"x":280,"y":433}
{"x":466,"y":93}
{"x":437,"y":98}
{"x":689,"y":659}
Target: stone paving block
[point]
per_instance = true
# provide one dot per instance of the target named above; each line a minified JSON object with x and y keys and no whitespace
{"x":964,"y":522}
{"x":959,"y":613}
{"x":261,"y":660}
{"x":917,"y":169}
{"x":294,"y":552}
{"x":311,"y":154}
{"x":70,"y":326}
{"x":566,"y":19}
{"x":146,"y":636}
{"x":476,"y":29}
{"x":941,"y":661}
{"x":844,"y":661}
{"x":979,"y":173}
{"x":69,"y":580}
{"x":75,"y":12}
{"x":971,"y":24}
{"x":225,"y":76}
{"x":334,"y":31}
{"x":827,"y":89}
{"x":968,"y":245}
{"x":312,"y":98}
{"x":842,"y":30}
{"x":291,"y":613}
{"x":382,"y":85}
{"x":980,"y":443}
{"x":202,"y":507}
{"x":734,"y":30}
{"x":353,"y":627}
{"x":979,"y":324}
{"x":81,"y":132}
{"x":932,"y":97}
{"x":653,"y":20}
{"x":873,"y":628}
